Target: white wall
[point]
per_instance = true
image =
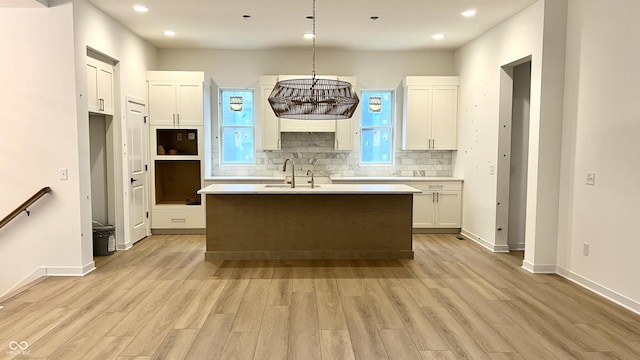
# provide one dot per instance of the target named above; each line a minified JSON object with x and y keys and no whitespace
{"x":234,"y":68}
{"x":93,"y":29}
{"x":600,"y":133}
{"x":538,"y":33}
{"x":45,"y":127}
{"x":479,"y":65}
{"x":38,"y":127}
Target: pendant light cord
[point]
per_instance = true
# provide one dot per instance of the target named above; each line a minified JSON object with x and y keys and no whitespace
{"x":313,"y":70}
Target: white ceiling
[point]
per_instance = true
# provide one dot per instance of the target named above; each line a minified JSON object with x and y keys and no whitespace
{"x":346,"y":24}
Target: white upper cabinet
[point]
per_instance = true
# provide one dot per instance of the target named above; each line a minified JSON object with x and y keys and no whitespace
{"x":430,"y":116}
{"x":99,"y":86}
{"x":270,"y":124}
{"x":176,"y":98}
{"x":345,"y":134}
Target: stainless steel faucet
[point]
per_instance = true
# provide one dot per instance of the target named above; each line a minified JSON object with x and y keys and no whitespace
{"x":293,"y":172}
{"x":310,"y":181}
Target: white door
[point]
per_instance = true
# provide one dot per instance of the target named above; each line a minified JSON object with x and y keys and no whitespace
{"x":137,"y":158}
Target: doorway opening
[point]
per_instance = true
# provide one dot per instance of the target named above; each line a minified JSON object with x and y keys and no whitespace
{"x":513,"y":154}
{"x":519,"y":155}
{"x":102,"y":162}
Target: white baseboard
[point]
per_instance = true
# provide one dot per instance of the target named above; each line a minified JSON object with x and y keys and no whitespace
{"x":484,"y":243}
{"x":71,"y":271}
{"x":28,"y":281}
{"x":123,"y":247}
{"x":42,"y":272}
{"x":603,"y":291}
{"x":539,"y":268}
{"x":517,"y":246}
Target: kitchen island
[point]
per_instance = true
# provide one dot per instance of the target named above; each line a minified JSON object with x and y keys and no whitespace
{"x":329,"y":221}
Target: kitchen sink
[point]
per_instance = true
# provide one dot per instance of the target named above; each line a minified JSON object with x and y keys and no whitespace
{"x":284,"y":186}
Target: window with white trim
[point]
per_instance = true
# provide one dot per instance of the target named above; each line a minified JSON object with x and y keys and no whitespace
{"x":237,"y":127}
{"x":376,"y":125}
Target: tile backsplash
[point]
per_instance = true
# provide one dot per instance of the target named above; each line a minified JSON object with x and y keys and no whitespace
{"x":316,"y":151}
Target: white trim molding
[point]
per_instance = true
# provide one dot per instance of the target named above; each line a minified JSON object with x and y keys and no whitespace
{"x":484,"y":243}
{"x":517,"y":246}
{"x":603,"y":291}
{"x":70,"y":271}
{"x":124,"y":247}
{"x":539,"y":268}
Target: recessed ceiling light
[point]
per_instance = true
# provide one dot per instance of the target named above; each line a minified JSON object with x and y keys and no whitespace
{"x":469,"y":13}
{"x":438,"y":36}
{"x":170,"y":33}
{"x":308,"y":36}
{"x":140,"y":8}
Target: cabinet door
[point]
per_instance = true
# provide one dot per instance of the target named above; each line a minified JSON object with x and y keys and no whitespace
{"x":92,"y":86}
{"x":448,"y":209}
{"x":424,"y":215}
{"x":417,"y":118}
{"x":162,"y":103}
{"x":444,"y":122}
{"x":189,"y":103}
{"x":105,"y":89}
{"x":99,"y":87}
{"x":270,"y":122}
{"x":345,"y":136}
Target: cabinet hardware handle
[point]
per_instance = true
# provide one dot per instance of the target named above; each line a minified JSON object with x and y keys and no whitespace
{"x":133,"y":180}
{"x":178,"y":220}
{"x":178,"y":117}
{"x":437,"y":197}
{"x":101,"y":106}
{"x":433,"y":143}
{"x":433,"y":197}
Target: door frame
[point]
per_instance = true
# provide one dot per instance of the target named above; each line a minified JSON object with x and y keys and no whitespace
{"x":503,"y":159}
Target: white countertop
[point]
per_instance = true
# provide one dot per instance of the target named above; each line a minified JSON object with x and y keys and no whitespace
{"x":393,"y":178}
{"x":306,"y":189}
{"x":248,"y":178}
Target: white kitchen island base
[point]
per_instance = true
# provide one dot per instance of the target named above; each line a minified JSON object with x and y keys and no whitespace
{"x":325,"y":223}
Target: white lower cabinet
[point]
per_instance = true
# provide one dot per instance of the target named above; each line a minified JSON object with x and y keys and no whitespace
{"x":178,"y":217}
{"x":438,"y":205}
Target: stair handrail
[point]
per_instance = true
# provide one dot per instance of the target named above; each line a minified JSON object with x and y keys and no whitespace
{"x":25,"y":206}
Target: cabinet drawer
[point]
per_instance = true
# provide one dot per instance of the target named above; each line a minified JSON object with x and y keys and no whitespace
{"x":437,"y":185}
{"x":178,"y":218}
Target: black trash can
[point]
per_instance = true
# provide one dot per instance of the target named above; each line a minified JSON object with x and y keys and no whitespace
{"x":104,"y":240}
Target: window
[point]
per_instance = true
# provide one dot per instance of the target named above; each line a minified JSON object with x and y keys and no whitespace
{"x":377,"y":127}
{"x":237,"y":144}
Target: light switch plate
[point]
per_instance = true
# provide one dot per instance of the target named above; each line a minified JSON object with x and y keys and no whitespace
{"x":63,"y":174}
{"x":591,"y":178}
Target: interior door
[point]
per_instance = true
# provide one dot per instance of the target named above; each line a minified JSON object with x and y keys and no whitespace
{"x":137,"y":156}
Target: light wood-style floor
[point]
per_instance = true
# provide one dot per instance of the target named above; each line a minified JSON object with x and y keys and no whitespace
{"x":160,"y":300}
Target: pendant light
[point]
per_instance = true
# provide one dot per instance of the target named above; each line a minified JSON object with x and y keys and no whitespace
{"x":312,"y":98}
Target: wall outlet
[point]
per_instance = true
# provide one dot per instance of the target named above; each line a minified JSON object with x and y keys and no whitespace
{"x":63,"y":174}
{"x":591,"y":178}
{"x":585,"y":249}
